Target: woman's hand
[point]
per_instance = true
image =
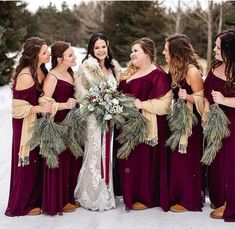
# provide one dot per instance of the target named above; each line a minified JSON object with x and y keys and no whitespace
{"x":138,"y":104}
{"x":47,"y":108}
{"x":71,"y":103}
{"x":182,"y":94}
{"x":217,"y":97}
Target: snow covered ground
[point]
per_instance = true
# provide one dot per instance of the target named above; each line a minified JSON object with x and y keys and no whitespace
{"x":117,"y":218}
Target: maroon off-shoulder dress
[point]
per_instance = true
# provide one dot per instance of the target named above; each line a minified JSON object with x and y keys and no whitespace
{"x":144,"y":174}
{"x":221,"y":173}
{"x":26,"y":181}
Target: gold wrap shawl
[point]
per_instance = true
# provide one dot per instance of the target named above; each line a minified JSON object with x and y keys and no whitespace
{"x":44,"y":99}
{"x":21,"y":110}
{"x":153,"y":107}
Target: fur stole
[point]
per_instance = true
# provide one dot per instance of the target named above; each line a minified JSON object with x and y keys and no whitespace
{"x":89,"y":73}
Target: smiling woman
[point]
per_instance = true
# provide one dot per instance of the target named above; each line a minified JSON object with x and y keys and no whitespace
{"x":94,"y":189}
{"x":146,"y":167}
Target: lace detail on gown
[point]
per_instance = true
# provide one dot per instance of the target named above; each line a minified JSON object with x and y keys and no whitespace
{"x":91,"y":191}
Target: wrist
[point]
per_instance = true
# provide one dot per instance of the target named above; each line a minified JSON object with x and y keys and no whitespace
{"x":224,"y":100}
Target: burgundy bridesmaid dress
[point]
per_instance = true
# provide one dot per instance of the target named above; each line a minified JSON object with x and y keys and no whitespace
{"x":59,"y":183}
{"x":26,"y":181}
{"x":144,"y":174}
{"x":186,"y":169}
{"x":221,"y":173}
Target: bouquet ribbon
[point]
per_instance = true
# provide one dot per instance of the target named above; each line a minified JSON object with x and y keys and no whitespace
{"x":105,"y":174}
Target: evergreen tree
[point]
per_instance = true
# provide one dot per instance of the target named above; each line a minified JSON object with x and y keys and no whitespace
{"x":229,"y":15}
{"x":12,"y":35}
{"x":125,"y":22}
{"x":57,"y":25}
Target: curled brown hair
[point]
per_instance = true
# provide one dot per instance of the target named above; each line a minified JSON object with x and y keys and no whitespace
{"x":182,"y":55}
{"x":148,"y":47}
{"x":57,"y":51}
{"x":29,"y":58}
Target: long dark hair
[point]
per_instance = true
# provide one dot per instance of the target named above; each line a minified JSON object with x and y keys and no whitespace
{"x":29,"y":58}
{"x":90,"y":49}
{"x":57,"y":51}
{"x":227,"y":48}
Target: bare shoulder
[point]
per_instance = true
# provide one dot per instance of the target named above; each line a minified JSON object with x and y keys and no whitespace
{"x":24,"y":80}
{"x":193,"y":75}
{"x":50,"y":78}
{"x":49,"y":84}
{"x":194,"y":79}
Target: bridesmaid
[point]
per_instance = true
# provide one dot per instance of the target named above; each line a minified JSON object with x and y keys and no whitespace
{"x":144,"y":174}
{"x":187,"y":84}
{"x":220,"y":89}
{"x":59,"y":183}
{"x":25,"y":195}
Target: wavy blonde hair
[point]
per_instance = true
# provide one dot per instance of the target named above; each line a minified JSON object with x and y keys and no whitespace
{"x":182,"y":55}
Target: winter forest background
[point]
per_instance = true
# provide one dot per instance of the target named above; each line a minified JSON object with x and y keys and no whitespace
{"x":121,"y":21}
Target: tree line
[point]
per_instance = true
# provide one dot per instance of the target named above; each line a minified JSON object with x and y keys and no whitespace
{"x":122,"y":21}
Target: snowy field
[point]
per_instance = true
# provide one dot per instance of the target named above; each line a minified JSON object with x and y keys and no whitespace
{"x":117,"y":218}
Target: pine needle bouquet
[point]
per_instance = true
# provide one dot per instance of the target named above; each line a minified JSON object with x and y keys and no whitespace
{"x":180,"y":121}
{"x":215,"y":130}
{"x":48,"y":136}
{"x":109,"y":105}
{"x":133,"y":132}
{"x":75,"y":134}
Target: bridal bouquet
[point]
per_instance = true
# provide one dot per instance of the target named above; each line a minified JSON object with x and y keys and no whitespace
{"x":109,"y":105}
{"x":102,"y":100}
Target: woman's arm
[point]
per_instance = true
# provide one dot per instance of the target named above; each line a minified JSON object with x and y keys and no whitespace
{"x":220,"y":99}
{"x":195,"y":80}
{"x":25,"y":81}
{"x":49,"y":88}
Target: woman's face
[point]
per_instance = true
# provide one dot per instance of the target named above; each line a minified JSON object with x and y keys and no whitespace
{"x":166,"y":53}
{"x":100,"y":50}
{"x":44,"y":55}
{"x":138,"y":57}
{"x":69,"y":58}
{"x":217,"y":49}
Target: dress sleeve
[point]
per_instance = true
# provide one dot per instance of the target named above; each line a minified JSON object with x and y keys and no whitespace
{"x":160,"y":85}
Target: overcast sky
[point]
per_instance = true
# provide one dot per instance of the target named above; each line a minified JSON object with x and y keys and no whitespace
{"x":34,"y":4}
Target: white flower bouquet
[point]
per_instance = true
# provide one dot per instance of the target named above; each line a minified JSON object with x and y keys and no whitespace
{"x":107,"y":104}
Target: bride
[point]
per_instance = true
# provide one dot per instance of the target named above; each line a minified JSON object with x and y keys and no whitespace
{"x":94,"y":189}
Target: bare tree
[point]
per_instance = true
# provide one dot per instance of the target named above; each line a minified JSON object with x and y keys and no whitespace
{"x":220,"y":18}
{"x":209,"y":34}
{"x":207,"y":17}
{"x":91,"y":17}
{"x":178,"y":18}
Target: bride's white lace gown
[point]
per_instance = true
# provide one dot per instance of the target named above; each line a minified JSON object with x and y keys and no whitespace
{"x":94,"y":188}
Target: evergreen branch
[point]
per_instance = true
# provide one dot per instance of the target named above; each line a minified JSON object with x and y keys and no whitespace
{"x":215,"y":130}
{"x":133,"y":132}
{"x":75,"y":132}
{"x":179,"y":121}
{"x":48,"y":135}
